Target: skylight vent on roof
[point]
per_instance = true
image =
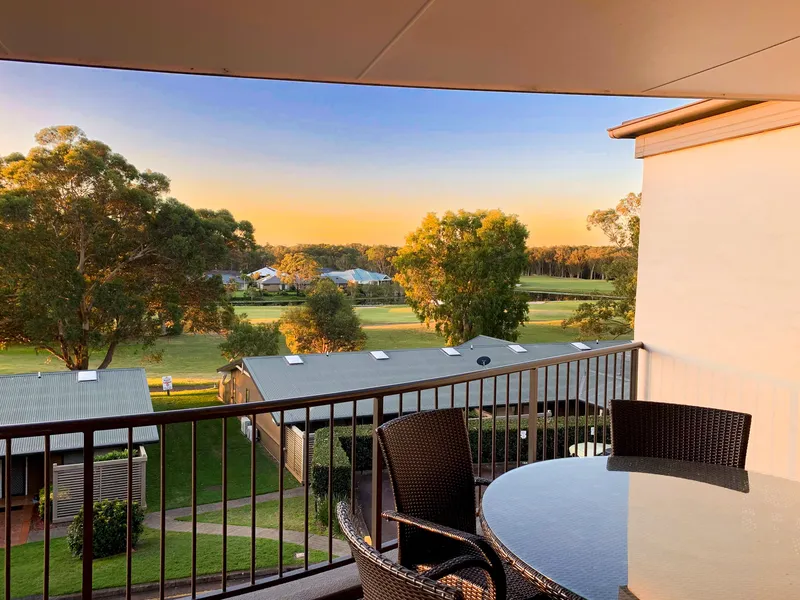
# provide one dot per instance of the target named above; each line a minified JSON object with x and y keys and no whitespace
{"x":87,"y":376}
{"x":581,"y":346}
{"x":379,"y":355}
{"x":517,"y":348}
{"x":293,"y":359}
{"x":451,"y":352}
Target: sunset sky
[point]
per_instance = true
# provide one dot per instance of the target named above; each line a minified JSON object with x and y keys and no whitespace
{"x":331,"y":163}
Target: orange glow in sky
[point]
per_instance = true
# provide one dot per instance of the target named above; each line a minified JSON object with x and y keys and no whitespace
{"x":310,"y":163}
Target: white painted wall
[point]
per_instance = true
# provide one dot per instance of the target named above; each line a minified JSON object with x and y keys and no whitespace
{"x":718,"y":303}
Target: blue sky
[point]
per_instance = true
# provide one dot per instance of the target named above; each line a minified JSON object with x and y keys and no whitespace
{"x":332,"y":163}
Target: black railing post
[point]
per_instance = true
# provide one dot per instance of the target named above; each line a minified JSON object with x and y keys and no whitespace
{"x":377,"y":473}
{"x":7,"y":492}
{"x":224,"y":504}
{"x":129,"y":518}
{"x":88,"y":513}
{"x":194,"y":510}
{"x":47,"y":508}
{"x":533,"y":415}
{"x":634,"y":393}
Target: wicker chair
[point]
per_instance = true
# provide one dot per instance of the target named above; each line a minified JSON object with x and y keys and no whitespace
{"x":430,"y":468}
{"x":679,"y":432}
{"x":382,"y":579}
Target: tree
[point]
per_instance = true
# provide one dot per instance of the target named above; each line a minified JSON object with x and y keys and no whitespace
{"x":93,"y":253}
{"x":325,"y":323}
{"x":614,"y":317}
{"x":247,"y":339}
{"x":460,"y":274}
{"x":380,"y":258}
{"x":297,"y":267}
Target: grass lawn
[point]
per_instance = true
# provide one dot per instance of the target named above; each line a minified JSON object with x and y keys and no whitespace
{"x":544,"y":283}
{"x":194,"y":359}
{"x":186,"y":357}
{"x":267,"y":516}
{"x":370,"y":315}
{"x":65,"y":570}
{"x":209,"y":452}
{"x":403,"y":315}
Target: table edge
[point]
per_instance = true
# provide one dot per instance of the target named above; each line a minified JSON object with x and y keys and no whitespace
{"x":547,"y":585}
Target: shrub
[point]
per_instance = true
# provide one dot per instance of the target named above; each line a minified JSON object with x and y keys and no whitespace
{"x":110,"y":519}
{"x":42,"y":499}
{"x":115,"y":455}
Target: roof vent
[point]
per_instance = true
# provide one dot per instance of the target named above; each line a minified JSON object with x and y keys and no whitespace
{"x":580,"y":346}
{"x":451,"y":352}
{"x":517,"y":348}
{"x":87,"y":376}
{"x":379,"y":355}
{"x":293,"y":359}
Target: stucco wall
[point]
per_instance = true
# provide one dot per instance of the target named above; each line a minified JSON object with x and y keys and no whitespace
{"x":718,"y":304}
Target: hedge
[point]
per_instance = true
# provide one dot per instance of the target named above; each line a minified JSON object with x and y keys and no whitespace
{"x":320,"y":461}
{"x":564,"y":427}
{"x":342,"y":447}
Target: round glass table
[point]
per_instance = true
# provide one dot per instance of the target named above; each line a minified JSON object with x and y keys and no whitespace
{"x":615,"y":528}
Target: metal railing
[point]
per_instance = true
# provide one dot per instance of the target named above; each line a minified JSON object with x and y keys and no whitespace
{"x":567,"y":398}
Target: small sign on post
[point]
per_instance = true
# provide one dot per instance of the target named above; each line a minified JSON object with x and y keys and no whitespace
{"x":166,"y":383}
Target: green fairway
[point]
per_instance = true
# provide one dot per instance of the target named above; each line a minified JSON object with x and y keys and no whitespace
{"x":187,"y":356}
{"x":65,"y":570}
{"x":403,"y":315}
{"x":544,"y":283}
{"x":209,"y":454}
{"x":195,"y":358}
{"x":370,"y":315}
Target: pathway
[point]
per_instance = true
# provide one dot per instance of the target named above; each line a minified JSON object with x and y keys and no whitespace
{"x":315,"y":542}
{"x":20,"y":525}
{"x":153,"y":520}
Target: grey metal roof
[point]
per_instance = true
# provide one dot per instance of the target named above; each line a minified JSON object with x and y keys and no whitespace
{"x":353,"y":371}
{"x":59,"y":396}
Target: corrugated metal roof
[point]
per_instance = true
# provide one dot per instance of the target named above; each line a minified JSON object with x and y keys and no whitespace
{"x":59,"y":396}
{"x":352,"y":371}
{"x":358,"y":275}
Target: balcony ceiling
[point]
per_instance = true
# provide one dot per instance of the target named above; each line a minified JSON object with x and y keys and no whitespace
{"x":683,"y":48}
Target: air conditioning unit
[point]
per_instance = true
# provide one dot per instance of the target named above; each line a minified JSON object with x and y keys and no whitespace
{"x":245,"y":424}
{"x":249,"y":433}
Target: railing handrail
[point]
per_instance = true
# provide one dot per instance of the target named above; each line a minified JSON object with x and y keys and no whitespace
{"x":94,"y":424}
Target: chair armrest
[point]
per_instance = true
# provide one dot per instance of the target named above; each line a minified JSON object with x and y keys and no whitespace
{"x":475,"y":542}
{"x":482,"y":481}
{"x":459,"y":563}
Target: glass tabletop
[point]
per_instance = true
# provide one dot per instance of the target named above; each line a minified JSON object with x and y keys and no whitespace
{"x":613,"y":528}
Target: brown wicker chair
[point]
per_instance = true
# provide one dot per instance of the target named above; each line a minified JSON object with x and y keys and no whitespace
{"x":430,"y":467}
{"x":679,"y":432}
{"x":383,"y":579}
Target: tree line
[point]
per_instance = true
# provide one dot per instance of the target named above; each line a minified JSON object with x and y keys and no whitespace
{"x":340,"y":257}
{"x":583,"y":262}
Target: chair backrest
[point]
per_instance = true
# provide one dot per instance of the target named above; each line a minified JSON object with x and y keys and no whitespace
{"x":679,"y":432}
{"x":430,"y":468}
{"x":382,"y":579}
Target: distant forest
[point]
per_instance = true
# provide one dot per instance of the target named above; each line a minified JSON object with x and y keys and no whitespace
{"x":584,"y":262}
